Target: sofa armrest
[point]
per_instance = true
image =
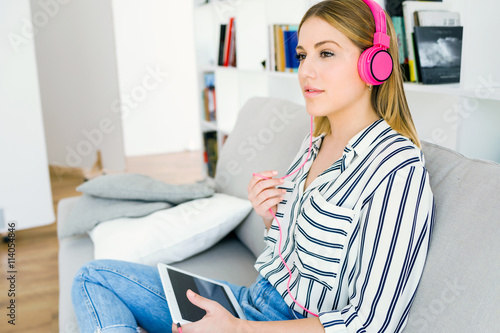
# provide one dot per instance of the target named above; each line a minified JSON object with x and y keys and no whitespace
{"x":64,"y":207}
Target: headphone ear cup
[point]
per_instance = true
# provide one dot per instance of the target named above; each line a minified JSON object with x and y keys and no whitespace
{"x":375,"y":65}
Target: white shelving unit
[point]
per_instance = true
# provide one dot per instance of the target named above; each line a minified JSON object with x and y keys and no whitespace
{"x":463,"y":116}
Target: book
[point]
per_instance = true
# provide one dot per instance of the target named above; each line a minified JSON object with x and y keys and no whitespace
{"x":279,"y":48}
{"x":399,"y":28}
{"x":232,"y":45}
{"x":409,"y":8}
{"x":222,"y":39}
{"x":228,"y":40}
{"x":209,"y":104}
{"x":291,"y":42}
{"x":210,"y":154}
{"x":283,"y":42}
{"x":439,"y":53}
{"x":394,"y":7}
{"x":209,"y":79}
{"x":272,"y":51}
{"x":437,"y":18}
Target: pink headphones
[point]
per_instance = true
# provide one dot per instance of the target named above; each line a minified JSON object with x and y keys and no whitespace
{"x":375,"y":64}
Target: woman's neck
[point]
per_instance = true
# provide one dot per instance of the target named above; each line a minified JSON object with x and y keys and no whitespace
{"x":345,"y":128}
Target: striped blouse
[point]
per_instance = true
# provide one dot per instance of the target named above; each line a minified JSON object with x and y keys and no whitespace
{"x":356,"y":239}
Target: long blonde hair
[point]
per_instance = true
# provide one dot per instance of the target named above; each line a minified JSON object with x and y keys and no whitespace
{"x":354,"y":19}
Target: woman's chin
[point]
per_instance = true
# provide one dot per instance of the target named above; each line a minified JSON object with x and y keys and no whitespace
{"x":314,"y":109}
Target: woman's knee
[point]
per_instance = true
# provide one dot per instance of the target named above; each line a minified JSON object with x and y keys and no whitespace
{"x":88,"y":271}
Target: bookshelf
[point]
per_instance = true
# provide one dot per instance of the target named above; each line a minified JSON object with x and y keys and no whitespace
{"x":459,"y":116}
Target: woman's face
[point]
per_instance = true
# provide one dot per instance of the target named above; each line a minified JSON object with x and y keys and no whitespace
{"x":328,"y":72}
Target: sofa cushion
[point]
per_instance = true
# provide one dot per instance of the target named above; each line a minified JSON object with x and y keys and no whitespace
{"x":141,"y":187}
{"x":170,"y":235}
{"x":266,"y":136}
{"x":459,"y":288}
{"x":90,"y":210}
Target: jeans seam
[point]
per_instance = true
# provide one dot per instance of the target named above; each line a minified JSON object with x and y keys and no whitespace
{"x":145,"y":286}
{"x":90,"y":307}
{"x":103,"y":329}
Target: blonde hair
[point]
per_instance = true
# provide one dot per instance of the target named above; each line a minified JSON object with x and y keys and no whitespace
{"x":354,"y":19}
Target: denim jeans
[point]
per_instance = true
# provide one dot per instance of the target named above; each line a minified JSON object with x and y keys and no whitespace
{"x":116,"y":296}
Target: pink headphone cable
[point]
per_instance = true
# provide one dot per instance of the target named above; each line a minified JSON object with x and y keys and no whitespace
{"x":279,"y":225}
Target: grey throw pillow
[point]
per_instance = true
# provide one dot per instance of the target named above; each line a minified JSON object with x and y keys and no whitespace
{"x":90,"y":210}
{"x":145,"y":188}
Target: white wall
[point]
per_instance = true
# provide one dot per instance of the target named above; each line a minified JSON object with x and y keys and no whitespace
{"x":25,"y":193}
{"x":480,"y":116}
{"x":78,"y":82}
{"x":161,"y":111}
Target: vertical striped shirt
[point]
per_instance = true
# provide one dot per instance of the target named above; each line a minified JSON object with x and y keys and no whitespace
{"x":356,"y":239}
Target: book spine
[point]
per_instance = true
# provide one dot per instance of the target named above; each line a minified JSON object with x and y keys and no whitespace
{"x":280,"y":53}
{"x":398,"y":23}
{"x":277,"y":46}
{"x":205,"y":103}
{"x":228,"y":41}
{"x":291,"y":41}
{"x":272,"y":55}
{"x":210,"y":154}
{"x":222,"y":39}
{"x":232,"y":50}
{"x":418,"y":64}
{"x":212,"y":105}
{"x":408,"y":20}
{"x":286,"y":51}
{"x":294,"y":41}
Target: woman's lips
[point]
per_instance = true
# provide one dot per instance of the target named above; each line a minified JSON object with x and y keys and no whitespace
{"x":310,"y":92}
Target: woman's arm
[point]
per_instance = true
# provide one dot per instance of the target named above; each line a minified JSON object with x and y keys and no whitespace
{"x":219,"y":320}
{"x":309,"y":325}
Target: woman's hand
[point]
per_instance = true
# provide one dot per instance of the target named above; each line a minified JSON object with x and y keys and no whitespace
{"x":263,"y":195}
{"x":217,"y":319}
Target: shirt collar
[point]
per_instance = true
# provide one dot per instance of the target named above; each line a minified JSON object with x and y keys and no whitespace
{"x":366,"y":137}
{"x":316,"y":142}
{"x":359,"y":143}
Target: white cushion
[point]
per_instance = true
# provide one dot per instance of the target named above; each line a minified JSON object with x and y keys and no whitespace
{"x":171,"y":234}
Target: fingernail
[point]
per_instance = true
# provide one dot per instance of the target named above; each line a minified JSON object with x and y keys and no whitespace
{"x":275,"y":172}
{"x":190,"y":293}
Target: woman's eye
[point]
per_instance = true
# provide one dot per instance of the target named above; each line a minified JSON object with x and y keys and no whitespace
{"x":300,"y":56}
{"x":326,"y":54}
{"x":323,"y":54}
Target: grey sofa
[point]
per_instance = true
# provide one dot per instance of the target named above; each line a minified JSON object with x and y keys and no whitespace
{"x":459,"y":290}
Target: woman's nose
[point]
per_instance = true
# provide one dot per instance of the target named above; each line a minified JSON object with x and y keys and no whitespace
{"x":306,"y":69}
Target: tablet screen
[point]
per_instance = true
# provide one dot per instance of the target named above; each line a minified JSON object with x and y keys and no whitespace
{"x":182,"y":282}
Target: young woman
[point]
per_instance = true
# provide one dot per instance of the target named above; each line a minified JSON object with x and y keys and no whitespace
{"x":347,"y":247}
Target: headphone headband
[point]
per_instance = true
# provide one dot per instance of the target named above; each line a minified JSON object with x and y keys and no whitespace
{"x":375,"y":63}
{"x":380,"y":38}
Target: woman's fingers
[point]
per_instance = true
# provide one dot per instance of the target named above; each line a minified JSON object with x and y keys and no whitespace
{"x":268,"y":194}
{"x":263,"y":194}
{"x":258,"y":176}
{"x":262,"y":185}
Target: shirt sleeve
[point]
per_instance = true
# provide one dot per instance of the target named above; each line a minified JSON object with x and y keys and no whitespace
{"x":393,"y":237}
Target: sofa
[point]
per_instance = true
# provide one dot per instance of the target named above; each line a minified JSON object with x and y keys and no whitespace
{"x":459,"y":290}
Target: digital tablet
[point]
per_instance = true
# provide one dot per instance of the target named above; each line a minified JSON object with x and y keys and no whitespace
{"x":176,"y":282}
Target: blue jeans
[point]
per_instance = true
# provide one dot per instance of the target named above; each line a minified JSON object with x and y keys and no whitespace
{"x":117,"y":296}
